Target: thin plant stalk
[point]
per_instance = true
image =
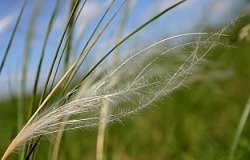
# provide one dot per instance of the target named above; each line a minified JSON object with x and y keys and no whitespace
{"x":26,"y":57}
{"x":57,"y":51}
{"x":104,"y":114}
{"x":13,"y":34}
{"x":67,"y":43}
{"x":104,"y":111}
{"x":69,"y":80}
{"x":239,"y":131}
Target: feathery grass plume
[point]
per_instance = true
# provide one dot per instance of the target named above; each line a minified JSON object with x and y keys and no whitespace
{"x":145,"y":83}
{"x":74,"y":67}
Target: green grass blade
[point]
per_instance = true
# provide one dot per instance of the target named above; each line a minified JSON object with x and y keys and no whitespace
{"x":66,"y":44}
{"x":84,"y":53}
{"x":27,"y":49}
{"x":57,"y":50}
{"x":38,"y":71}
{"x":6,"y":53}
{"x":69,"y":80}
{"x":131,"y":34}
{"x":25,"y":61}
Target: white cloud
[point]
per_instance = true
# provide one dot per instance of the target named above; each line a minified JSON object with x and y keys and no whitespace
{"x":160,"y":5}
{"x":6,"y":21}
{"x":221,"y":7}
{"x":222,"y":10}
{"x":90,"y":11}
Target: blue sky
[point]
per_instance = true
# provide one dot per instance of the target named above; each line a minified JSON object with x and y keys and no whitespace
{"x":185,"y":18}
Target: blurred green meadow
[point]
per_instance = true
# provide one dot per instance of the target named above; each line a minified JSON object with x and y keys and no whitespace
{"x":198,"y":121}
